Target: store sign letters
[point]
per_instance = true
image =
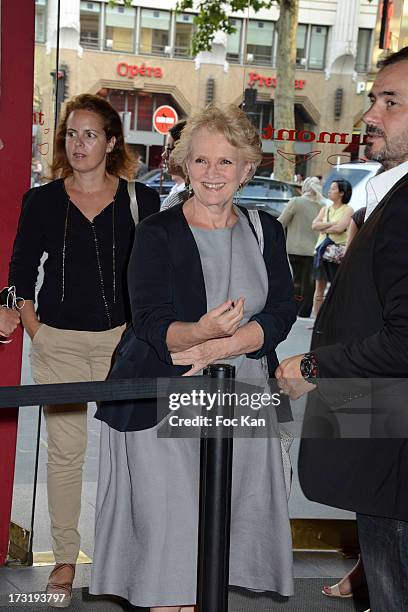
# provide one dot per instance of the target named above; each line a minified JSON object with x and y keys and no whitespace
{"x":261,"y":81}
{"x":271,"y":133}
{"x":38,"y":118}
{"x":131,"y":71}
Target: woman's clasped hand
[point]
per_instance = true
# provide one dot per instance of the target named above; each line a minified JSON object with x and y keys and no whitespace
{"x":219,"y":322}
{"x":223,"y":320}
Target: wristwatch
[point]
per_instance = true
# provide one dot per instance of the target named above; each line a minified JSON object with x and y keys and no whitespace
{"x":309,"y":368}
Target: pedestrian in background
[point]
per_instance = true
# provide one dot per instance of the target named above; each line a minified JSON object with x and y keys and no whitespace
{"x":332,"y":223}
{"x":301,"y":239}
{"x":142,"y":167}
{"x":179,"y":193}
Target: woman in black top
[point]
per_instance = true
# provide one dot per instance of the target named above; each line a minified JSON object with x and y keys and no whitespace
{"x":83,"y":221}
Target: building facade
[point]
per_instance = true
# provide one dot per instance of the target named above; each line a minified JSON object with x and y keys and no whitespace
{"x":139,"y":57}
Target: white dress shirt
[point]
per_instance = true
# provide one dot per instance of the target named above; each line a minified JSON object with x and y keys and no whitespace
{"x":380,"y":184}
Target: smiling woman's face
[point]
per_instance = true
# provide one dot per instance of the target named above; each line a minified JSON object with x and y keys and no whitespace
{"x":86,"y":144}
{"x":215,"y":168}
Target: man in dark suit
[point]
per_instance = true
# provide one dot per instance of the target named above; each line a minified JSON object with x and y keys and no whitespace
{"x":361,"y":334}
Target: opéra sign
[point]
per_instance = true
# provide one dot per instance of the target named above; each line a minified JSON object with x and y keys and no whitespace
{"x":260,"y":80}
{"x":131,"y":70}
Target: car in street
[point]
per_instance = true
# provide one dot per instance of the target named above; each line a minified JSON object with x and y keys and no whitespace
{"x":357,"y":174}
{"x":152,"y":179}
{"x":260,"y":193}
{"x":268,"y":194}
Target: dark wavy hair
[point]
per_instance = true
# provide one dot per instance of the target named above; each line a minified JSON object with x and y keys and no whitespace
{"x":175,"y":133}
{"x":176,"y":130}
{"x":394,"y":58}
{"x":345,"y":188}
{"x":119,"y":162}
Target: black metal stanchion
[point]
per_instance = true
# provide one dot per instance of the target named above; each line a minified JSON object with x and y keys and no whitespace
{"x":215,"y":498}
{"x":37,"y":455}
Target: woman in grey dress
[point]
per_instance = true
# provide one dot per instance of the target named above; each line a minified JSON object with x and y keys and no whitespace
{"x":201,"y":291}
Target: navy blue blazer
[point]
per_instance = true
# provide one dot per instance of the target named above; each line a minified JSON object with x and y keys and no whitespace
{"x":166,"y":284}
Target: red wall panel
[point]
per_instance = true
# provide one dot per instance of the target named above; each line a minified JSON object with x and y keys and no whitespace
{"x":16,"y":103}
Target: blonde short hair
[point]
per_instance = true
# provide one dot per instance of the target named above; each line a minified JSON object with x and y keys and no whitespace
{"x":232,"y":123}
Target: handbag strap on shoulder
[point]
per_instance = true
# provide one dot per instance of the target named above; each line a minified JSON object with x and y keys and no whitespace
{"x":134,"y":209}
{"x":256,"y":222}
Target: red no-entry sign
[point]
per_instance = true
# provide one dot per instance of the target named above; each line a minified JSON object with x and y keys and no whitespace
{"x":164,"y":118}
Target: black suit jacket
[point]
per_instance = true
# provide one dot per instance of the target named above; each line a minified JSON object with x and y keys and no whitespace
{"x":362,"y":333}
{"x":166,"y":284}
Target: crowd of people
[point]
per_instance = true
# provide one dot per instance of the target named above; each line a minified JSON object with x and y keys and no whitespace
{"x":317,"y":233}
{"x":132,"y":292}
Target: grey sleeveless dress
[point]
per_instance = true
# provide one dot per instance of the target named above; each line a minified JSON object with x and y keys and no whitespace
{"x":147,"y":502}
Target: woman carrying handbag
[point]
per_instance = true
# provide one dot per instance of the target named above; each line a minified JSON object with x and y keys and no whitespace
{"x":85,"y":221}
{"x":332,"y":223}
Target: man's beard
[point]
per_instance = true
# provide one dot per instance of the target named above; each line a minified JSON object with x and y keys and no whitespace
{"x":392,"y":153}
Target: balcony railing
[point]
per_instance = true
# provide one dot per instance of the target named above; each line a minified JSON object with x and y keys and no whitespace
{"x":90,"y":41}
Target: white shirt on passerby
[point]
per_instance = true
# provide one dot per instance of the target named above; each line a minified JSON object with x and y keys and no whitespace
{"x":177,"y":187}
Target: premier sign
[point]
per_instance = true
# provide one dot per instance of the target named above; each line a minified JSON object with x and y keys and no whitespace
{"x":266,"y":81}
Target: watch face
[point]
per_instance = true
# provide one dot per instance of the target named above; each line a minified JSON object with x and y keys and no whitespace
{"x":308,"y":368}
{"x":305,"y":368}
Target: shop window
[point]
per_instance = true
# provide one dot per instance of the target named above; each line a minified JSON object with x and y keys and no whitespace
{"x":131,"y":97}
{"x":89,"y":20}
{"x":124,"y":102}
{"x":144,"y":112}
{"x":161,"y":99}
{"x":234,"y":41}
{"x":260,"y":42}
{"x":141,"y":106}
{"x":117,"y":98}
{"x":154,"y":31}
{"x":120,"y":28}
{"x":363,"y":50}
{"x":40,"y":20}
{"x":266,"y":115}
{"x":317,"y":51}
{"x":184,"y":34}
{"x":301,"y":42}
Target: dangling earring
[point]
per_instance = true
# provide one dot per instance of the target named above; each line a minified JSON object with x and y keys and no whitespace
{"x":189,"y":187}
{"x":237,"y":195}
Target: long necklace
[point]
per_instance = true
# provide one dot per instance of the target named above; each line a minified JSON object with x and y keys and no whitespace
{"x":98,"y":259}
